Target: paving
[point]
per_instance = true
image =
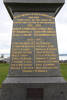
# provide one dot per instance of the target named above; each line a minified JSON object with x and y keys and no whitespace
{"x":0,"y":92}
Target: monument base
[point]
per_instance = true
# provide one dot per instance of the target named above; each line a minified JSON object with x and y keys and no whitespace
{"x":34,"y":88}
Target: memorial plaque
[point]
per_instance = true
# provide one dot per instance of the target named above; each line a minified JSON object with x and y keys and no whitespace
{"x":34,"y":45}
{"x":35,"y":93}
{"x":34,"y":72}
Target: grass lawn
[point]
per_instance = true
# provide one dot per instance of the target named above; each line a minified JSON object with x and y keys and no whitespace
{"x":64,"y":70}
{"x":4,"y":71}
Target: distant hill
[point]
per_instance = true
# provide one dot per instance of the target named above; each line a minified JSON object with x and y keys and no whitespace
{"x":62,"y":54}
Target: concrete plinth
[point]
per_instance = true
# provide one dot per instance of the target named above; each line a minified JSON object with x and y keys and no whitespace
{"x":53,"y":88}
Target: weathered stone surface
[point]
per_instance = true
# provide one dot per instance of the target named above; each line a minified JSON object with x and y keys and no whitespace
{"x":18,"y":91}
{"x":34,"y":1}
{"x":32,"y":80}
{"x":34,"y":46}
{"x":33,"y":6}
{"x":0,"y":93}
{"x":34,"y":69}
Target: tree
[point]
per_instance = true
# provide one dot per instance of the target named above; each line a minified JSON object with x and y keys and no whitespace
{"x":2,"y":55}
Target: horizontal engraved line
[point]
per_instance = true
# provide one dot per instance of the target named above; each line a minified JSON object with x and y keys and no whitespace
{"x":26,"y":70}
{"x":22,"y":35}
{"x":43,"y":49}
{"x":28,"y":42}
{"x":43,"y":58}
{"x":29,"y":58}
{"x":35,"y":32}
{"x":23,"y":46}
{"x":41,"y":70}
{"x":34,"y":71}
{"x":46,"y":67}
{"x":23,"y":43}
{"x":33,"y":14}
{"x":46,"y":61}
{"x":26,"y":60}
{"x":35,"y":68}
{"x":23,"y":53}
{"x":46,"y":45}
{"x":37,"y":44}
{"x":33,"y":19}
{"x":45,"y":35}
{"x":17,"y":52}
{"x":22,"y":62}
{"x":28,"y":67}
{"x":36,"y":35}
{"x":46,"y":55}
{"x":18,"y":56}
{"x":48,"y":49}
{"x":35,"y":27}
{"x":34,"y":22}
{"x":22,"y":32}
{"x":17,"y":68}
{"x":44,"y":52}
{"x":42,"y":29}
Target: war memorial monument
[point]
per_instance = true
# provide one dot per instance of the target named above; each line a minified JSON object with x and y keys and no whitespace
{"x":34,"y":72}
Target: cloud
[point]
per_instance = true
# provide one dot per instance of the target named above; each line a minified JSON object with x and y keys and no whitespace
{"x":5,"y":42}
{"x":61,"y":29}
{"x":62,"y":15}
{"x":5,"y":29}
{"x":5,"y":51}
{"x":62,"y":37}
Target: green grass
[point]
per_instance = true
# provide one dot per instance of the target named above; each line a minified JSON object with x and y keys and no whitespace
{"x":63,"y":68}
{"x":4,"y":71}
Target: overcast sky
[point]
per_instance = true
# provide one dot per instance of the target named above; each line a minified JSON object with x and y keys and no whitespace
{"x":6,"y":29}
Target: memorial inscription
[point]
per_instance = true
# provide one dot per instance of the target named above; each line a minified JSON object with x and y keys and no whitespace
{"x":34,"y":72}
{"x":34,"y":44}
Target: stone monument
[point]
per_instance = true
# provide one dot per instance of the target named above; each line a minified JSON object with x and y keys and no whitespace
{"x":34,"y":72}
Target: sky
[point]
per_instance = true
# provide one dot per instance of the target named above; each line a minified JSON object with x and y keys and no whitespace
{"x":6,"y":29}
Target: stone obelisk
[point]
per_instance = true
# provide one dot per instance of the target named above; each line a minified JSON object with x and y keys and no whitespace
{"x":34,"y":72}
